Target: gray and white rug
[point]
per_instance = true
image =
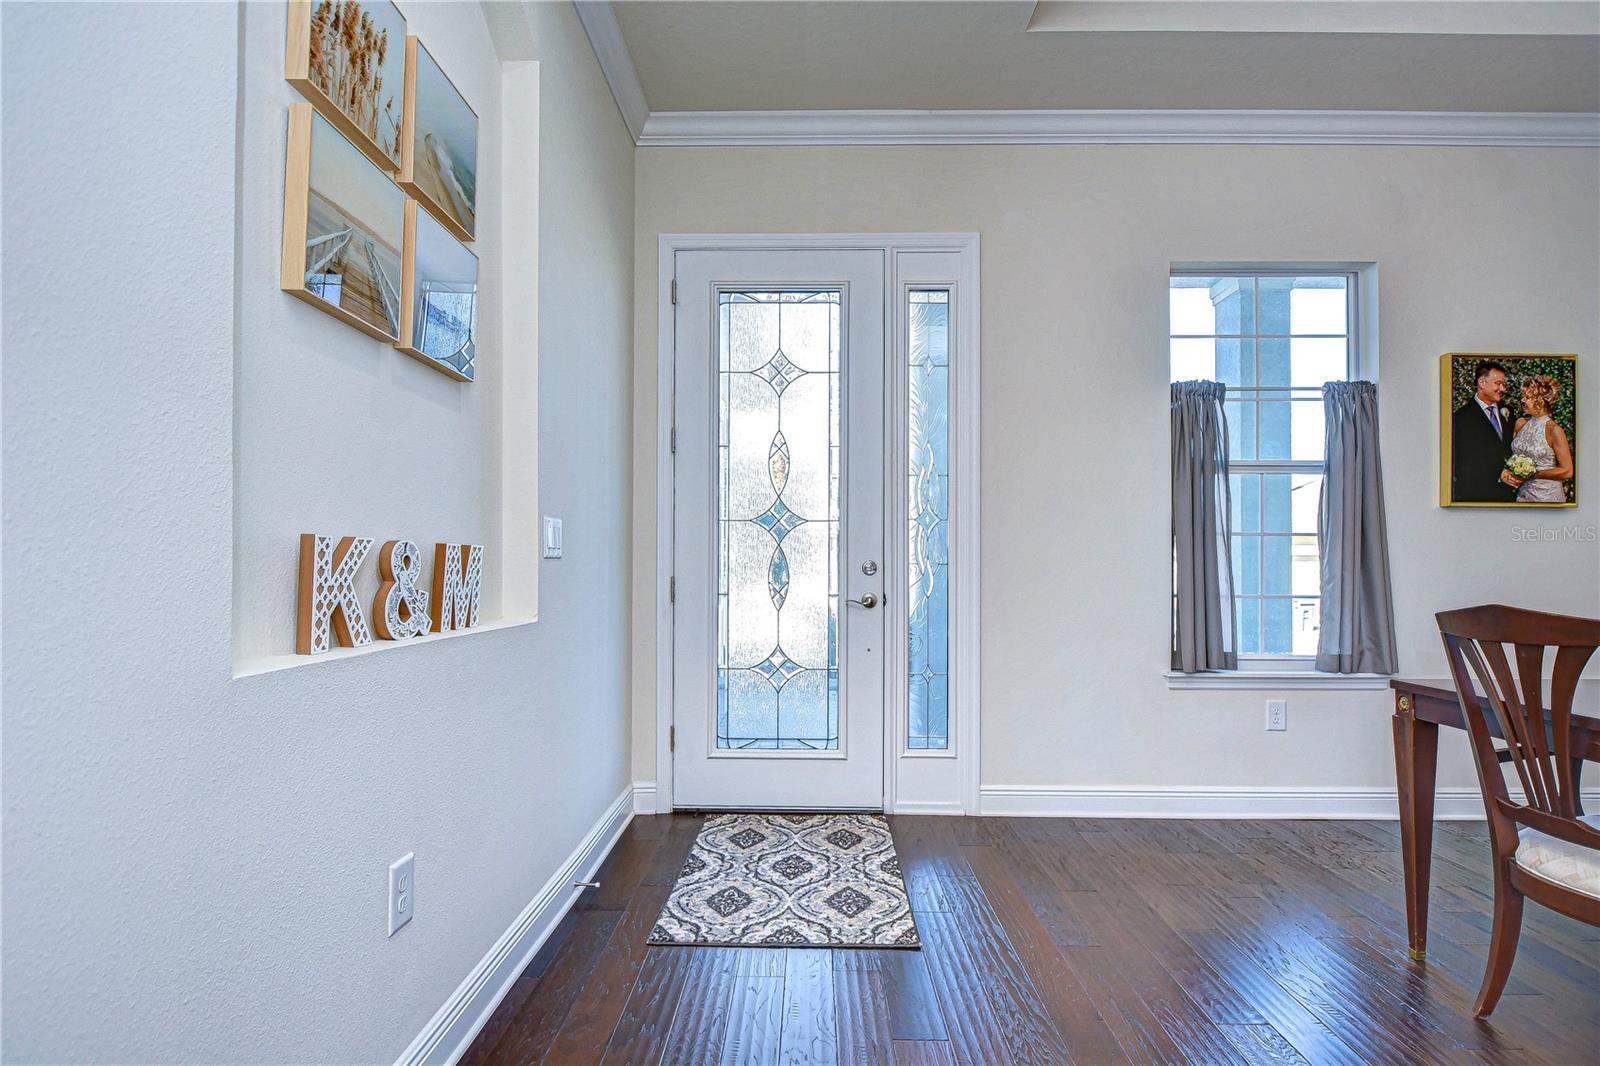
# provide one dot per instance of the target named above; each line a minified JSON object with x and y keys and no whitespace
{"x":806,"y":880}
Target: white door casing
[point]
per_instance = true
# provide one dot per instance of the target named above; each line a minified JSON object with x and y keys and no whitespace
{"x":912,"y":781}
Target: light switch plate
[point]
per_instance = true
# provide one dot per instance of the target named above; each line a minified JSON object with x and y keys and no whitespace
{"x":552,"y":538}
{"x":402,"y":891}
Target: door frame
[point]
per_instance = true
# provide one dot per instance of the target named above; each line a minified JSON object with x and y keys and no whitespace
{"x":962,"y":796}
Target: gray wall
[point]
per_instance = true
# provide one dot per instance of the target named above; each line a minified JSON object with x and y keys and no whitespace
{"x":1477,"y":250}
{"x":195,"y":865}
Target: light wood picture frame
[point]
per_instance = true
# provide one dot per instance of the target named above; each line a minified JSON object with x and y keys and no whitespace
{"x":439,"y":297}
{"x":1472,"y":452}
{"x":343,"y":228}
{"x":439,"y":148}
{"x":348,"y":58}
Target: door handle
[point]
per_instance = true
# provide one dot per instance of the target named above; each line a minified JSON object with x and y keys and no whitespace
{"x":869,"y":601}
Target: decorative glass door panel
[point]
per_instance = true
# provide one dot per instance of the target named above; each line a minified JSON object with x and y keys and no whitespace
{"x":778,"y":504}
{"x":928,"y":508}
{"x":778,"y":520}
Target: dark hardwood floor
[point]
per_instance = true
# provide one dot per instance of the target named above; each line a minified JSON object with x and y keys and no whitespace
{"x":1074,"y":940}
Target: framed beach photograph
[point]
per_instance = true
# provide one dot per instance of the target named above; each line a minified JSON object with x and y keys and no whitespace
{"x":439,"y":311}
{"x":348,"y":57}
{"x":1508,"y":430}
{"x":343,"y":228}
{"x":439,"y":157}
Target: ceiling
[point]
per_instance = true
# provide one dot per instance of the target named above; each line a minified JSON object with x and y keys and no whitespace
{"x":760,"y":55}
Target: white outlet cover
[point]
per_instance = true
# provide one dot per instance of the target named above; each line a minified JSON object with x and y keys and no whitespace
{"x":402,"y":891}
{"x":1277,"y":715}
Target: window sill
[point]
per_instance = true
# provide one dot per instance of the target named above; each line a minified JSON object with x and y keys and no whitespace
{"x":1270,"y":680}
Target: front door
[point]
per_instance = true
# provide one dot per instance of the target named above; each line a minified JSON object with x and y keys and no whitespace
{"x":778,"y":542}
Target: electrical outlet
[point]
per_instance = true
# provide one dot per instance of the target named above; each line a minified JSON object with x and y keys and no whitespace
{"x":1277,"y":714}
{"x":552,"y":538}
{"x":402,"y":891}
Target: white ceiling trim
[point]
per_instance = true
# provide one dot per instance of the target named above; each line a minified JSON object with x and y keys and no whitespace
{"x":1117,"y":126}
{"x":605,"y":37}
{"x":1492,"y":17}
{"x":1533,"y":130}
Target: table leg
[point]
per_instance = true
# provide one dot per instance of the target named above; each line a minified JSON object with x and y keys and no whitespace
{"x":1416,"y":750}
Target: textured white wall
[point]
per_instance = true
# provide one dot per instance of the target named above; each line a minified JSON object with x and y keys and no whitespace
{"x":195,"y":866}
{"x":1478,"y":250}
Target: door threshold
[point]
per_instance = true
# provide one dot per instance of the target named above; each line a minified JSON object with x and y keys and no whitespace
{"x":777,"y":810}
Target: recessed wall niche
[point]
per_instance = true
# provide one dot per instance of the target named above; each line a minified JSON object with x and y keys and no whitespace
{"x":337,"y":431}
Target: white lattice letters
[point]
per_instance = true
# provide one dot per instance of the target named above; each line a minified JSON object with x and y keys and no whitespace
{"x":328,"y":603}
{"x":457,"y":576}
{"x":400,"y":609}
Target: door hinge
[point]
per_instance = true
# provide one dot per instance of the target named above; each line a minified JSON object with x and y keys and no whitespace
{"x":672,"y":440}
{"x":672,"y":738}
{"x":672,"y":590}
{"x":674,"y":292}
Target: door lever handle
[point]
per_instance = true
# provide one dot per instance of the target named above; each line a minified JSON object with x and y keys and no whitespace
{"x":869,"y":601}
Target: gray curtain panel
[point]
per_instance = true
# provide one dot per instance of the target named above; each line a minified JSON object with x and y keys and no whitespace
{"x":1204,"y":633}
{"x":1357,"y":634}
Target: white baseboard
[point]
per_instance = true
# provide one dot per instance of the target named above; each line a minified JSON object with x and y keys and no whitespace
{"x":644,"y":802}
{"x":448,"y":1035}
{"x":951,"y":808}
{"x":1208,"y":802}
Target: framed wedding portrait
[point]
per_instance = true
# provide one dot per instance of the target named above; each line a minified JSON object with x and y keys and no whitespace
{"x":1508,"y":430}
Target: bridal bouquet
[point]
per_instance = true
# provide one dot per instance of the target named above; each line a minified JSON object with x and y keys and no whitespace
{"x":1522,"y":466}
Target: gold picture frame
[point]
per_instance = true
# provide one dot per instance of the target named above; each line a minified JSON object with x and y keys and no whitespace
{"x":439,"y":297}
{"x":343,"y":228}
{"x":439,"y":144}
{"x":362,"y":94}
{"x":1465,"y":474}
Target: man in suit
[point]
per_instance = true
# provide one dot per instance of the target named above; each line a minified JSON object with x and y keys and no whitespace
{"x":1480,"y":442}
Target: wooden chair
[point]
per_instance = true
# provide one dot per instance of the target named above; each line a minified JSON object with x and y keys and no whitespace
{"x":1544,"y":848}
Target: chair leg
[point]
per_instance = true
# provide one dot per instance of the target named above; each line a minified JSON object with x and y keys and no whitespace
{"x":1502,"y":946}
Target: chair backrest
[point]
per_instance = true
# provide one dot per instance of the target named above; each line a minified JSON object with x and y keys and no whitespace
{"x":1536,"y":729}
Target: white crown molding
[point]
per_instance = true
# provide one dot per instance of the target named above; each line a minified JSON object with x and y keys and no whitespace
{"x":1470,"y":17}
{"x":1094,"y":801}
{"x":664,"y":129}
{"x":726,"y":128}
{"x":451,"y":1031}
{"x":605,"y":37}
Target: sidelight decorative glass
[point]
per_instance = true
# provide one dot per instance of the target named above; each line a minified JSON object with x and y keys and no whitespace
{"x":928,"y":723}
{"x":778,"y":398}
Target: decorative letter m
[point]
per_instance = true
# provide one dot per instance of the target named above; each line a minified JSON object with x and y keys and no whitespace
{"x":456,"y":580}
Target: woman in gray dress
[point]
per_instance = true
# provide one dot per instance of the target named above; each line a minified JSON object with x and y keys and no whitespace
{"x":1542,"y":439}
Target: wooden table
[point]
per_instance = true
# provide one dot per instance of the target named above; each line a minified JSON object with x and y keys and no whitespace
{"x":1420,"y":708}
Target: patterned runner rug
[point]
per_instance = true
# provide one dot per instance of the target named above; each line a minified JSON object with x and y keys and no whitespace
{"x":807,"y":880}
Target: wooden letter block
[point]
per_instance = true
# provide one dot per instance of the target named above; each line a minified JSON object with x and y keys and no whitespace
{"x":328,"y":594}
{"x":400,"y":609}
{"x":457,"y":575}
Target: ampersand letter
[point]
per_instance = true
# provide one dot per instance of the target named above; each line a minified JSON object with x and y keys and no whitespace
{"x":400,"y":609}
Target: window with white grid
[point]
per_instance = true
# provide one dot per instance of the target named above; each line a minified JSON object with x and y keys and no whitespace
{"x":1273,"y":338}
